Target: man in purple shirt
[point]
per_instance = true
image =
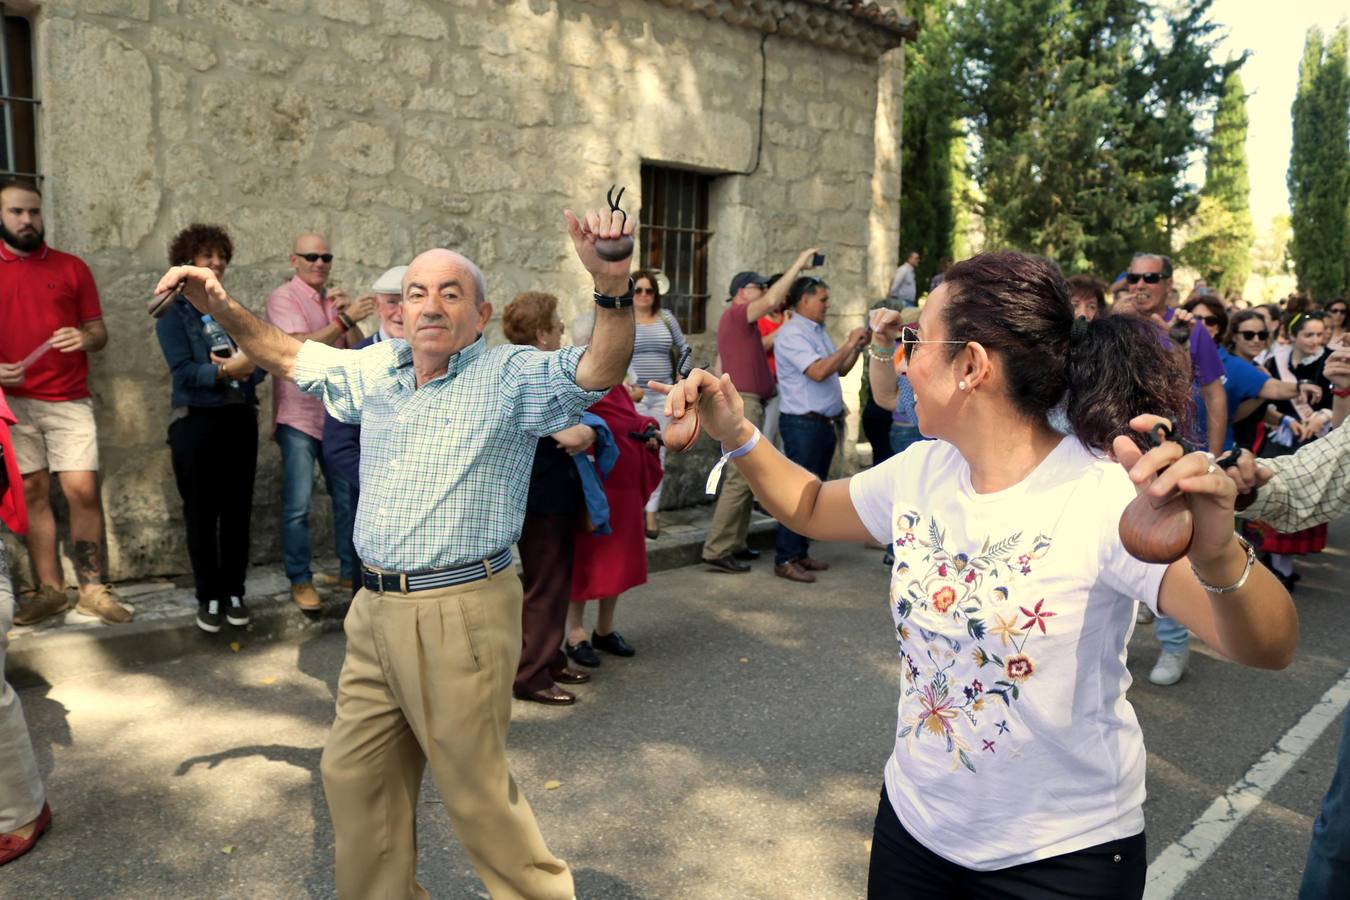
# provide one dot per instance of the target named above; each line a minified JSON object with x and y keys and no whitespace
{"x":1149,"y":281}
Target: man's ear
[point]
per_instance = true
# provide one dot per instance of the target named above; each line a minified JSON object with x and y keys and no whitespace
{"x":484,"y":315}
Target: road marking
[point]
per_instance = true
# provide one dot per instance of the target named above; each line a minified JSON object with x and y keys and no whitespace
{"x":1214,"y":826}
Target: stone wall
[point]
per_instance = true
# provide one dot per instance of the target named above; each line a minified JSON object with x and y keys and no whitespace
{"x":399,"y":125}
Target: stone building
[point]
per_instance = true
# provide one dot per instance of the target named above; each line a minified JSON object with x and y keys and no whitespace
{"x":745,"y":130}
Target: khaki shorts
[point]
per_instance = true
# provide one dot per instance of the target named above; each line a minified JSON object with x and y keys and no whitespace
{"x":57,"y":436}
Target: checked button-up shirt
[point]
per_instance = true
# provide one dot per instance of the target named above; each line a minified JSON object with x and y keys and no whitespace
{"x":445,"y":468}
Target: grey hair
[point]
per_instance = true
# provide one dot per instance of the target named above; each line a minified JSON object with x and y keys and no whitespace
{"x":1165,"y":260}
{"x":476,"y":273}
{"x":583,"y":326}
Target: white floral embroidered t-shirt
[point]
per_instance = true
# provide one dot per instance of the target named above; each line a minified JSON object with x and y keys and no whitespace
{"x":1012,"y":611}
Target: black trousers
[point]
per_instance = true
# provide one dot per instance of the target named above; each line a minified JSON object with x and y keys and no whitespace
{"x":546,"y":544}
{"x":215,"y":455}
{"x":876,"y":427}
{"x":903,"y":868}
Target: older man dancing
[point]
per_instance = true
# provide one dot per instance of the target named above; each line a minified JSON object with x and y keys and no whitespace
{"x":433,"y":638}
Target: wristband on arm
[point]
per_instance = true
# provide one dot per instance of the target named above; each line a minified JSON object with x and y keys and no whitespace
{"x":715,"y":476}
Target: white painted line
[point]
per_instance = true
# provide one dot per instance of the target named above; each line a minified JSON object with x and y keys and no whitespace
{"x":1179,"y":861}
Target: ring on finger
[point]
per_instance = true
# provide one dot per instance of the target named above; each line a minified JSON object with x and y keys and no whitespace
{"x":1212,"y":469}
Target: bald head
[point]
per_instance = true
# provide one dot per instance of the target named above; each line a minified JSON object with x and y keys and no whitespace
{"x":308,"y":259}
{"x":310,"y":242}
{"x":433,"y":268}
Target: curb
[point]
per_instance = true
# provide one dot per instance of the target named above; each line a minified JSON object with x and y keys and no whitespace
{"x":47,"y":655}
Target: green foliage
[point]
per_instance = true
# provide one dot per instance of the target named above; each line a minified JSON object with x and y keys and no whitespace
{"x":1220,"y":244}
{"x":1085,"y":121}
{"x":930,"y":134}
{"x":1319,"y":167}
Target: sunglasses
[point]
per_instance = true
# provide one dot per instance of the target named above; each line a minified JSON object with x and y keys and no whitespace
{"x":315,"y":257}
{"x":1211,"y":321}
{"x":1254,"y":335}
{"x":1336,"y":311}
{"x":910,"y":341}
{"x":644,"y":291}
{"x":1146,"y":277}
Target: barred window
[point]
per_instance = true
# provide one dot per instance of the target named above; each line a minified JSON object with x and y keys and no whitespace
{"x":674,"y":237}
{"x":18,"y":106}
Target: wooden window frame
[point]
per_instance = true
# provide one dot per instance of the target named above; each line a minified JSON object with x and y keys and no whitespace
{"x":19,"y":105}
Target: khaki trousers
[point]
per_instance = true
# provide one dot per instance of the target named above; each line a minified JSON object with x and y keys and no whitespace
{"x":731,"y":517}
{"x":21,"y":793}
{"x":427,"y":678}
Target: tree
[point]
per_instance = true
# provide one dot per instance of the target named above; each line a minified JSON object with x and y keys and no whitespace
{"x":1319,"y":167}
{"x":1221,"y":241}
{"x":1086,"y":122}
{"x":927,"y":211}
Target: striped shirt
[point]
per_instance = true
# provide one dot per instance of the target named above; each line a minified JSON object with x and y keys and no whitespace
{"x":651,"y":350}
{"x":445,"y":468}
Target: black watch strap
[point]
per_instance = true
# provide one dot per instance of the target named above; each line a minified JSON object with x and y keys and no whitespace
{"x":608,"y":302}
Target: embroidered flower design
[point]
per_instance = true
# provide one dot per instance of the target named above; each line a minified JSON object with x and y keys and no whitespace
{"x":981,"y":658}
{"x":1019,"y":667}
{"x":1006,"y":629}
{"x":935,"y":715}
{"x":1035,"y":617}
{"x":944,"y":598}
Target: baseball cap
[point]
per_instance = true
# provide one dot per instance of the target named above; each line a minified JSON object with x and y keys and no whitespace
{"x":744,"y":278}
{"x":391,"y":282}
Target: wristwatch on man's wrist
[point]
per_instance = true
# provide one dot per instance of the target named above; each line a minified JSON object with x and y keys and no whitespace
{"x":608,"y":301}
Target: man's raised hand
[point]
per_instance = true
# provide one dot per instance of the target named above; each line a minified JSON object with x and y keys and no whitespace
{"x":198,"y":284}
{"x":601,"y":224}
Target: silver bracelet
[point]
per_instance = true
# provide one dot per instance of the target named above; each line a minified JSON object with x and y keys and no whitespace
{"x":1246,"y":571}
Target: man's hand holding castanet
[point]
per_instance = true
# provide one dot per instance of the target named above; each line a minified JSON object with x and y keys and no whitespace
{"x":702,"y":400}
{"x":199,"y":284}
{"x":611,"y":278}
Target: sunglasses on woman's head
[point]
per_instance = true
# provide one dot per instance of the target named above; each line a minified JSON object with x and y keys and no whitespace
{"x":1254,"y":335}
{"x":315,"y":257}
{"x":1146,"y":277}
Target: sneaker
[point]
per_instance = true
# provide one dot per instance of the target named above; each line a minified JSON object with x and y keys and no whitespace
{"x":104,"y":604}
{"x":208,"y":616}
{"x":1144,"y":615}
{"x":888,"y":559}
{"x":1170,"y":667}
{"x":305,"y":596}
{"x":236,"y":613}
{"x":48,"y":601}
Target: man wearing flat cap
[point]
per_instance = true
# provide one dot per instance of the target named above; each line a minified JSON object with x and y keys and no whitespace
{"x":741,"y":348}
{"x":342,"y":442}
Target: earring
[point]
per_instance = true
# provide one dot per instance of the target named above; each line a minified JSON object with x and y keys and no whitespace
{"x":961,"y":385}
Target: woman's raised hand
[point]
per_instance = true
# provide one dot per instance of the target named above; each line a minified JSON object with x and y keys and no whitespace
{"x":885,"y":323}
{"x":1210,"y":493}
{"x":712,"y":402}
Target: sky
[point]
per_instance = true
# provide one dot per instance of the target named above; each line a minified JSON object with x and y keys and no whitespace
{"x":1274,"y":34}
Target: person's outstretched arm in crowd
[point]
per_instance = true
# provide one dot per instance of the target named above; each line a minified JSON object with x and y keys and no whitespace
{"x":841,"y":360}
{"x":1309,"y":486}
{"x":264,"y":343}
{"x":881,"y":375}
{"x":776,"y":295}
{"x":610,"y":350}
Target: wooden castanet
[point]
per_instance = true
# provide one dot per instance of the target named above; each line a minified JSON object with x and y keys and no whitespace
{"x":159,"y":304}
{"x":615,"y":249}
{"x":1157,"y":530}
{"x":680,"y":434}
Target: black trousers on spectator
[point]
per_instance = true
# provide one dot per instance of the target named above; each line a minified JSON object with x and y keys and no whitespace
{"x":901,"y":867}
{"x":546,"y":544}
{"x":215,"y":455}
{"x":876,"y":427}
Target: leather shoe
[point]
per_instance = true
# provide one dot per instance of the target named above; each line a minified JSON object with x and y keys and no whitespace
{"x":549,"y":696}
{"x":812,"y":565}
{"x":583,"y":654}
{"x":747,"y":554}
{"x":570,"y":676}
{"x":727,"y":564}
{"x":612,"y":643}
{"x":48,"y":601}
{"x":12,"y":846}
{"x":793,"y":572}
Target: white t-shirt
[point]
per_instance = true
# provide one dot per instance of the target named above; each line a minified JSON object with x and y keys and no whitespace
{"x":1012,"y":611}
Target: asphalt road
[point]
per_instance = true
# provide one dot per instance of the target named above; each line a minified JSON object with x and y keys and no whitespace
{"x":739,"y":755}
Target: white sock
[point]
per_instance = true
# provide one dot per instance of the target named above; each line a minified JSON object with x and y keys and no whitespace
{"x":1282,"y":563}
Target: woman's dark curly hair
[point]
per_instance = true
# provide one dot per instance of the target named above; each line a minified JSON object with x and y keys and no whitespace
{"x":1107,"y":371}
{"x":197,"y":239}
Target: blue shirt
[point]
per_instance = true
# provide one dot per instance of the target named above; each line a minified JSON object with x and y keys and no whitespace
{"x":1241,"y":382}
{"x":445,"y":468}
{"x":798,"y":344}
{"x":182,"y":339}
{"x":341,"y":443}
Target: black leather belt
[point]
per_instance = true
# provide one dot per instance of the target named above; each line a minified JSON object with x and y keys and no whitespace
{"x":408,"y":582}
{"x":818,"y":417}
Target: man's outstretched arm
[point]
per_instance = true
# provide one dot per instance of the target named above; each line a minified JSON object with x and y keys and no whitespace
{"x":606,"y":359}
{"x":264,"y":343}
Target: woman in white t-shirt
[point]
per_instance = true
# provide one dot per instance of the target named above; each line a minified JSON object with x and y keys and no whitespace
{"x":1018,"y":767}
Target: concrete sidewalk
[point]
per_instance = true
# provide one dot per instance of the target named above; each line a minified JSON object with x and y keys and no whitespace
{"x":165,"y":624}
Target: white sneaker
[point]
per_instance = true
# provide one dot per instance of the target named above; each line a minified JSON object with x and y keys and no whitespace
{"x":1171,"y":665}
{"x":1144,"y":615}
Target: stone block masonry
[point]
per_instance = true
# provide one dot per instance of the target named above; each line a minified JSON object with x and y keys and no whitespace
{"x":397,"y":125}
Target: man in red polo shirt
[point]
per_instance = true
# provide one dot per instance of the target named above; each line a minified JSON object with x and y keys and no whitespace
{"x":50,"y":319}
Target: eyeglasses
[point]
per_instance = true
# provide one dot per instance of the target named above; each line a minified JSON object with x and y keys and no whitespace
{"x":909,"y":341}
{"x":1211,"y":321}
{"x":315,"y":257}
{"x":1146,"y":277}
{"x":1254,"y":335}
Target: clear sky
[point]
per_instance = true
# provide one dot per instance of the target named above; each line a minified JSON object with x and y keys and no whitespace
{"x":1274,"y":33}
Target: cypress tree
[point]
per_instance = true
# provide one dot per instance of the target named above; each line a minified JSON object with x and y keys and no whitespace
{"x":1221,"y":246}
{"x":1319,"y":167}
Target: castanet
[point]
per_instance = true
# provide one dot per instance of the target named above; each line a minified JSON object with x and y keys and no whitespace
{"x":680,"y":434}
{"x":615,"y":249}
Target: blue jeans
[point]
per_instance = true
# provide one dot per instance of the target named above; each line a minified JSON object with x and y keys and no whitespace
{"x":1171,"y":634}
{"x":299,"y":452}
{"x":1329,"y":853}
{"x":810,"y":444}
{"x":904,"y":435}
